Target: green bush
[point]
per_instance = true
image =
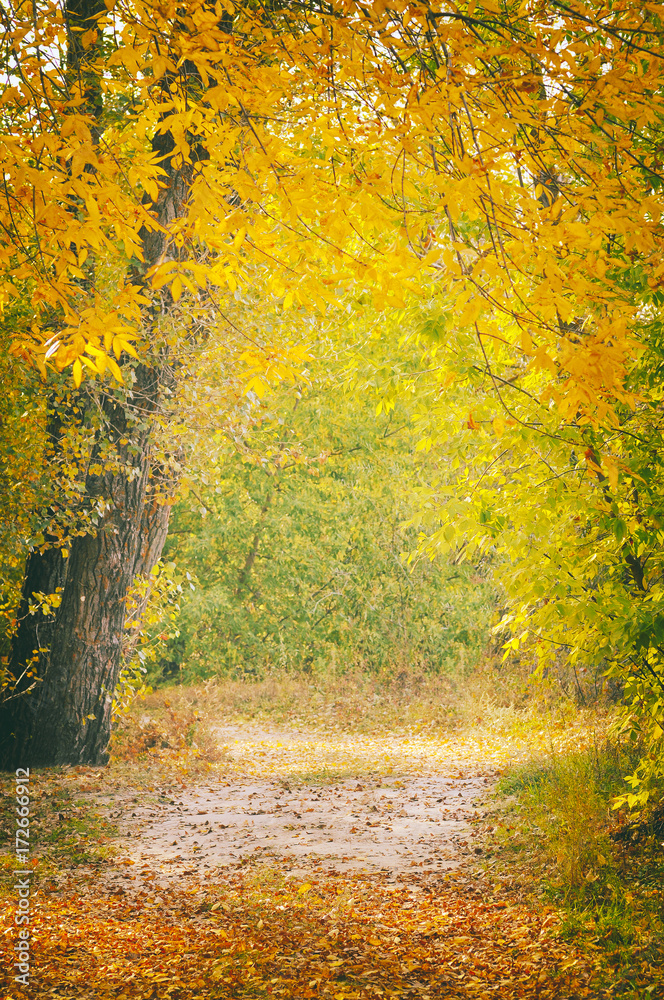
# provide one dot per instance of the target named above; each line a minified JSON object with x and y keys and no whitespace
{"x":298,"y":552}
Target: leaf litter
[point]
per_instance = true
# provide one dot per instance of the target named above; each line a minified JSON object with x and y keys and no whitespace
{"x":301,"y":864}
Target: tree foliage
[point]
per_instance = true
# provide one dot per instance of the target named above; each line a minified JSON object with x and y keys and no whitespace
{"x":496,"y":151}
{"x":492,"y":169}
{"x":296,"y":540}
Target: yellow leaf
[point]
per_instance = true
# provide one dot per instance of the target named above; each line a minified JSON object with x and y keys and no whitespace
{"x":176,"y":288}
{"x":77,"y":370}
{"x":161,"y":275}
{"x":115,"y":370}
{"x":612,"y":473}
{"x":159,"y":64}
{"x":120,"y":345}
{"x":471,"y":312}
{"x":188,"y":283}
{"x":257,"y":385}
{"x":498,"y":426}
{"x":526,"y":342}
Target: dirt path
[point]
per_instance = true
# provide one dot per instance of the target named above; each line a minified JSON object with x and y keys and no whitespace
{"x":306,"y":797}
{"x":304,"y":864}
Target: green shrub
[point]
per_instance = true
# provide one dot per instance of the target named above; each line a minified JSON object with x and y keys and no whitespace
{"x":298,"y":552}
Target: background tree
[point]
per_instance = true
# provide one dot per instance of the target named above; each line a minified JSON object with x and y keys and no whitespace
{"x":294,"y":533}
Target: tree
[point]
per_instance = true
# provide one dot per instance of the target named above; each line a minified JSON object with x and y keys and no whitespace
{"x":489,"y":157}
{"x":294,"y":533}
{"x":67,"y":717}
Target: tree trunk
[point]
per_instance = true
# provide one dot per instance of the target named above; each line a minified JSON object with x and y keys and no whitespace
{"x":151,"y":538}
{"x":66,"y":718}
{"x":66,"y":663}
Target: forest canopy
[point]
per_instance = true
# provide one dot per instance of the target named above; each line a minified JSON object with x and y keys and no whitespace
{"x":476,"y":186}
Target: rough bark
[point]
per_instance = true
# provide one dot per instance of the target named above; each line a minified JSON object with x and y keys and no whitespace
{"x":66,"y":718}
{"x":151,"y":538}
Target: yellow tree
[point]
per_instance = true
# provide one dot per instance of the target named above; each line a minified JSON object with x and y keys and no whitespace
{"x":500,"y":158}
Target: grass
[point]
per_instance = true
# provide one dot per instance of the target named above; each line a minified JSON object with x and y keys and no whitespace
{"x":555,"y":829}
{"x":66,"y":830}
{"x":174,"y":715}
{"x":175,"y":719}
{"x":176,"y":732}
